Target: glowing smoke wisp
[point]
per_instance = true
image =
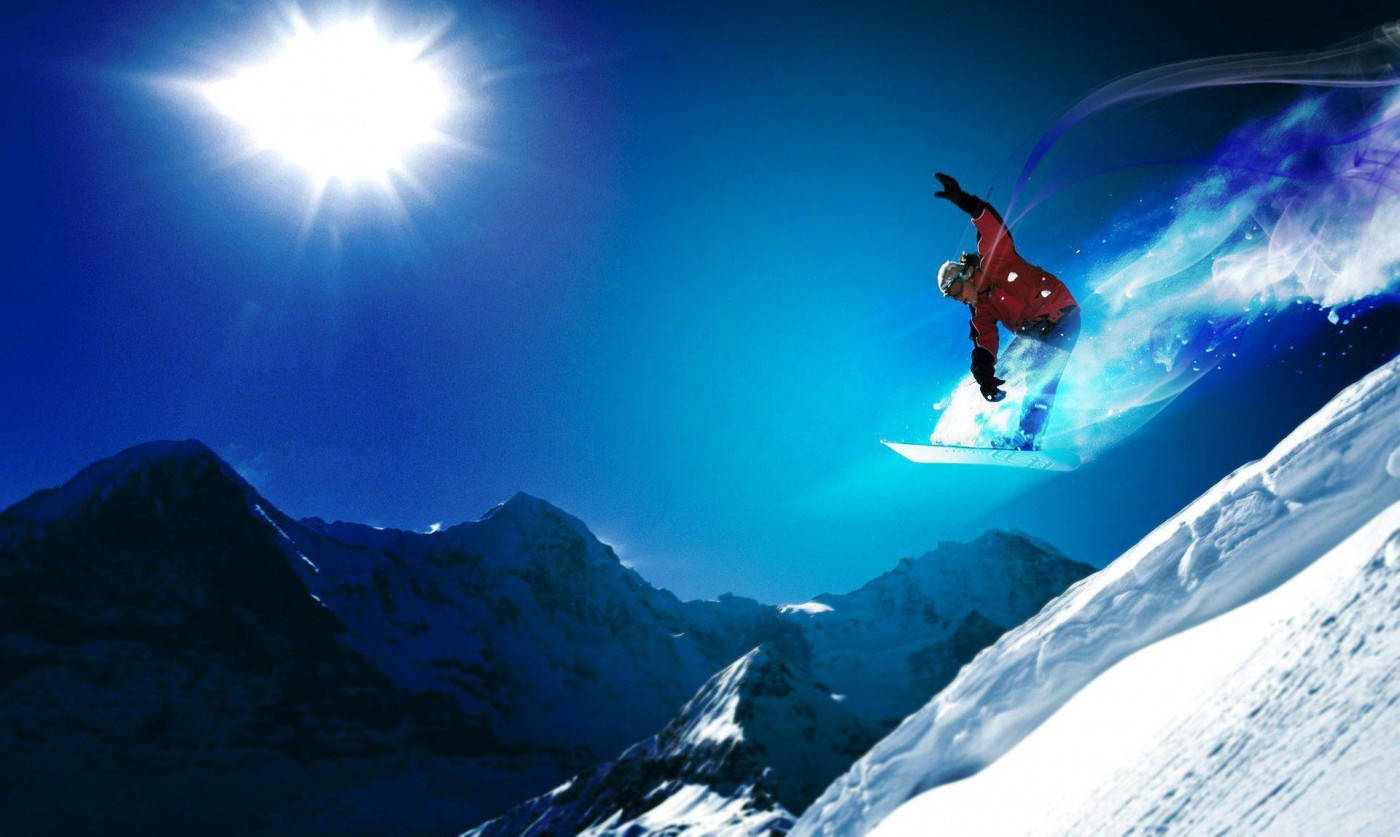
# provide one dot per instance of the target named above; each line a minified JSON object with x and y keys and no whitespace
{"x":1304,"y":206}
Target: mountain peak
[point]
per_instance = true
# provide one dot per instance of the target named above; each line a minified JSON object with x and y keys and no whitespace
{"x":538,"y":521}
{"x":1002,"y":545}
{"x":956,"y":572}
{"x":159,"y":449}
{"x":1002,"y":537}
{"x":759,"y":739}
{"x":710,"y":718}
{"x":761,"y":703}
{"x":99,"y":479}
{"x":529,"y":508}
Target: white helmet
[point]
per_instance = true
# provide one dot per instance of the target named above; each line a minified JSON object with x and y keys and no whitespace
{"x":952,"y":273}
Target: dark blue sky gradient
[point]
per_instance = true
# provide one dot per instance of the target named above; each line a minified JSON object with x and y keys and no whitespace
{"x":682,"y":291}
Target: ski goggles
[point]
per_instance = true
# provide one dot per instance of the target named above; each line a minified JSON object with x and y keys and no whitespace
{"x":953,"y":276}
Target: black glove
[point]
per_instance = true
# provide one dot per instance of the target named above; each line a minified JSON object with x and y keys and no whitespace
{"x":984,"y":372}
{"x":950,"y":185}
{"x":951,"y":191}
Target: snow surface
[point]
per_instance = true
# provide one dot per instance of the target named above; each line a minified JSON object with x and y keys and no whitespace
{"x":1248,"y":534}
{"x":1277,"y":716}
{"x":695,"y":809}
{"x":806,"y":607}
{"x":257,"y":507}
{"x":713,"y":712}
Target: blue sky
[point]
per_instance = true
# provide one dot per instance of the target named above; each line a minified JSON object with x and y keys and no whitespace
{"x":681,"y":289}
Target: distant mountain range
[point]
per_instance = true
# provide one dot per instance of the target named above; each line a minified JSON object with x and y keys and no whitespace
{"x":179,"y":654}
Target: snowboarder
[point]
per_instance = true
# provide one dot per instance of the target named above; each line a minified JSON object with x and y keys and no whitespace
{"x":1000,"y":286}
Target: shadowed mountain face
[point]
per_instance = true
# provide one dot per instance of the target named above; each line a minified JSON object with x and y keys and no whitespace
{"x":154,"y":638}
{"x":523,"y":616}
{"x":178,"y":651}
{"x":164,"y":553}
{"x":163,"y":627}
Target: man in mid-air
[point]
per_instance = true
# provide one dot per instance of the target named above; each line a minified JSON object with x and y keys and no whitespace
{"x":1000,"y":286}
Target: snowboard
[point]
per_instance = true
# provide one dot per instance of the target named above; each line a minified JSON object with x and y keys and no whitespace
{"x":1043,"y":460}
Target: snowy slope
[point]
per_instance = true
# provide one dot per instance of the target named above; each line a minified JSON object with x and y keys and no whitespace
{"x":1279,"y":716}
{"x":756,"y":741}
{"x":1252,"y":531}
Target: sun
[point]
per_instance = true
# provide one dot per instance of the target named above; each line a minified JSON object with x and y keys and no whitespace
{"x":344,"y":102}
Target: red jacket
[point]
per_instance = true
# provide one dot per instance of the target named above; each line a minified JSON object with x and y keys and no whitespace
{"x":1010,"y":290}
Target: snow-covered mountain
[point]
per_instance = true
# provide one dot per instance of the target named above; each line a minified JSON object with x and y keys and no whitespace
{"x":516,"y":644}
{"x":531,"y":621}
{"x":1303,"y":675}
{"x":762,"y":737}
{"x":157,"y":594}
{"x":710,"y":770}
{"x":900,"y":638}
{"x":523,"y":616}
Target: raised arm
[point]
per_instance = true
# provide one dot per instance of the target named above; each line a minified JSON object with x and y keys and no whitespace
{"x":992,"y":235}
{"x":966,"y":201}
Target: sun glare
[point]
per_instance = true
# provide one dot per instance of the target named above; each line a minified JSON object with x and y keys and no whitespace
{"x":344,"y":102}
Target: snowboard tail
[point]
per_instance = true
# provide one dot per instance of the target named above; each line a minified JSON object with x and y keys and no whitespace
{"x":1043,"y":460}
